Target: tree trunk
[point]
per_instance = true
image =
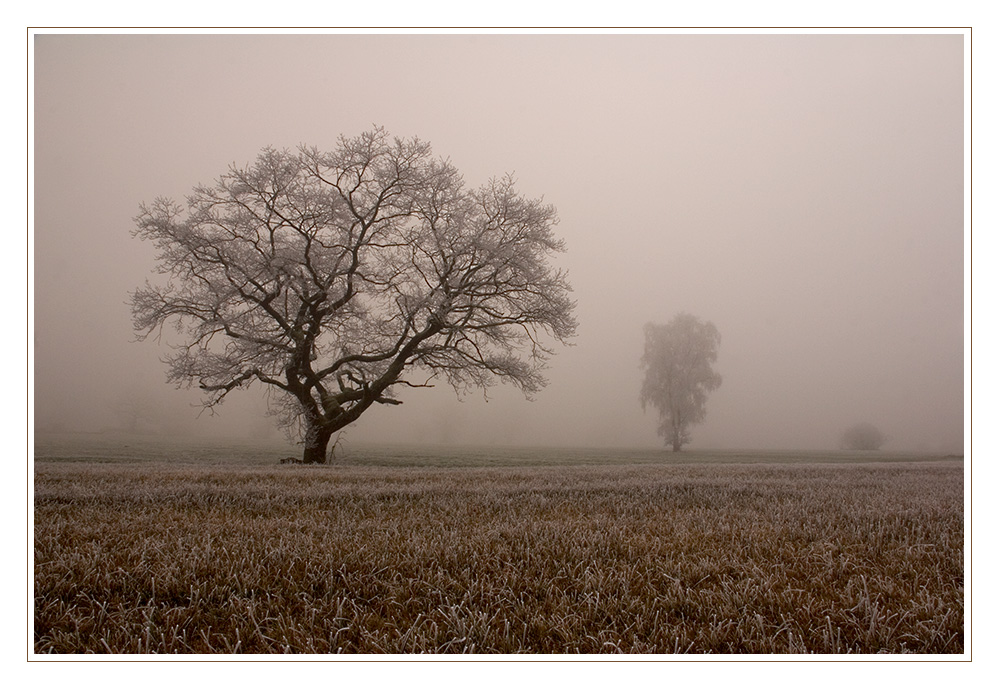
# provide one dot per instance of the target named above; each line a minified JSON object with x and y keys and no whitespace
{"x":315,"y":441}
{"x":677,"y":445}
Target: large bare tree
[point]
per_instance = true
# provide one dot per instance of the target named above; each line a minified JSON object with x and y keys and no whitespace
{"x":333,"y":276}
{"x":678,"y":361}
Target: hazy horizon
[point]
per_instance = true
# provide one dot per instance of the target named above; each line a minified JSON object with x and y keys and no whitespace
{"x":804,"y":193}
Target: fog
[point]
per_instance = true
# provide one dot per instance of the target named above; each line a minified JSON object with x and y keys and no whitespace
{"x":802,"y":192}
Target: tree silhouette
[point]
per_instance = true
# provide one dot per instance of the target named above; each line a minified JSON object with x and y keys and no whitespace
{"x":331,"y":276}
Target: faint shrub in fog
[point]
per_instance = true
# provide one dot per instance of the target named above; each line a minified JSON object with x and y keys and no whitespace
{"x":862,"y":436}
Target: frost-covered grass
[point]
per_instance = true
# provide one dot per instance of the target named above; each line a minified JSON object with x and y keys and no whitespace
{"x":123,"y":448}
{"x":624,"y":556}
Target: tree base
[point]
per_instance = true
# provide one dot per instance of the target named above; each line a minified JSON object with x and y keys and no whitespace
{"x":300,"y":461}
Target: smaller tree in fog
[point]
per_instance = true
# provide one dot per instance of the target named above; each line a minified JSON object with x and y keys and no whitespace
{"x":135,"y":411}
{"x":678,"y":362}
{"x":862,"y":436}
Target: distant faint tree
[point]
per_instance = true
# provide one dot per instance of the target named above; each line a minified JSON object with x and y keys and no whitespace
{"x":135,"y":411}
{"x":328,"y":276}
{"x":862,"y":436}
{"x":678,"y":362}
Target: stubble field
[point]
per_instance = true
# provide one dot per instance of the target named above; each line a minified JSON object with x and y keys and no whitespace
{"x":497,"y":552}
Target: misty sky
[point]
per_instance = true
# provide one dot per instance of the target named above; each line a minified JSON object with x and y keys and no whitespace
{"x":802,"y":192}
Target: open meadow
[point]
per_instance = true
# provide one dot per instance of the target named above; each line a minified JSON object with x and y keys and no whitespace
{"x":144,"y":546}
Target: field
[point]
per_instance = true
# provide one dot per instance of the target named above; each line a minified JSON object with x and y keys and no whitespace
{"x":151,"y":547}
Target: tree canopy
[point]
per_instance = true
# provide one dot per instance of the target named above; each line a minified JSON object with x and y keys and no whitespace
{"x":331,"y":276}
{"x":678,"y":361}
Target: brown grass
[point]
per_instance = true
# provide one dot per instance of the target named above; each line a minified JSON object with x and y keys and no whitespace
{"x":729,"y":558}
